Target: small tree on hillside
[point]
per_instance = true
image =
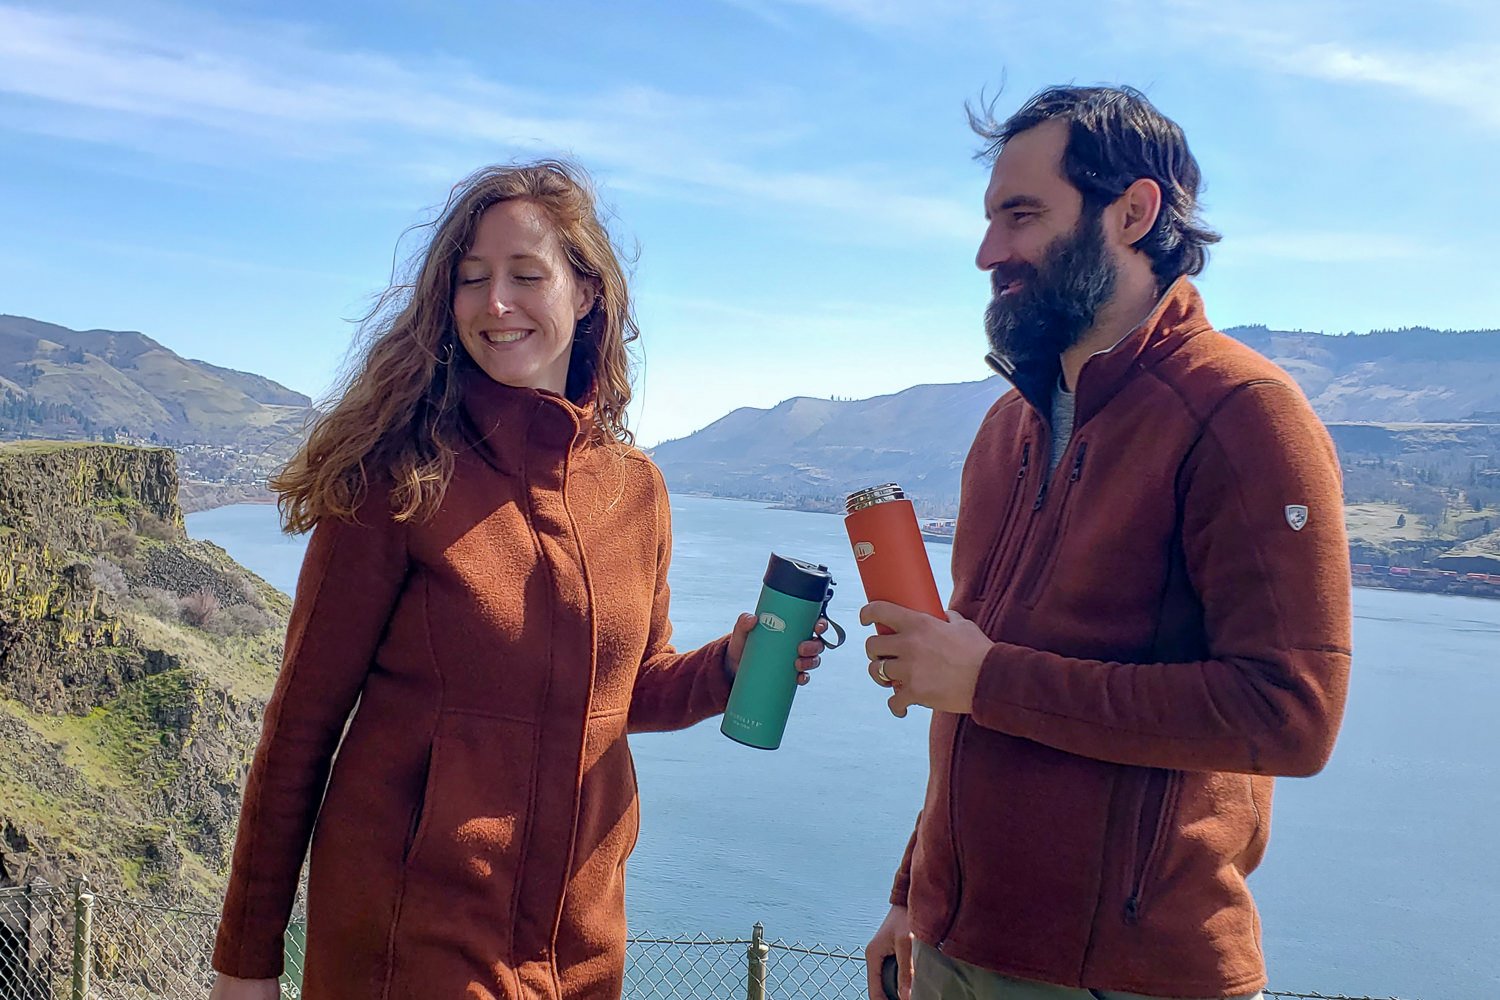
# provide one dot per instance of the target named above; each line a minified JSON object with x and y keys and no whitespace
{"x":108,"y":577}
{"x":151,"y":526}
{"x":199,"y":608}
{"x":158,"y":603}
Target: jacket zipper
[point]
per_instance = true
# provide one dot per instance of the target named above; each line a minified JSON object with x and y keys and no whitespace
{"x":958,"y":865}
{"x":1000,"y":559}
{"x":995,"y":556}
{"x":1042,"y":570}
{"x":1136,"y":901}
{"x":1006,"y":566}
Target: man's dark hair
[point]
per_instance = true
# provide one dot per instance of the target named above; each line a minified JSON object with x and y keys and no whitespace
{"x":1116,"y":137}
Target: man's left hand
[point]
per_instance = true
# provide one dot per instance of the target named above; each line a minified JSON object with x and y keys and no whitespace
{"x":926,"y":661}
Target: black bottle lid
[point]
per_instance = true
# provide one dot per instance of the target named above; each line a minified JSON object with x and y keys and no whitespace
{"x":796,"y":578}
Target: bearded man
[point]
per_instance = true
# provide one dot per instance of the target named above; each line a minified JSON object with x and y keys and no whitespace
{"x":1151,"y":608}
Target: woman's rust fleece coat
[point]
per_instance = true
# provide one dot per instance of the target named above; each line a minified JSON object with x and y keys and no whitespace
{"x":473,"y":836}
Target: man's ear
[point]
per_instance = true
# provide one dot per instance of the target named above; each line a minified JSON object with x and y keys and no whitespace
{"x":1137,"y":210}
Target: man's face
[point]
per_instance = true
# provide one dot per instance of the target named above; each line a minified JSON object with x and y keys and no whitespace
{"x":1050,"y":266}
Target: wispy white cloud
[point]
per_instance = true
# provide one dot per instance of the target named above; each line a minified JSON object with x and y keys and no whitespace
{"x":765,"y":10}
{"x":261,"y":91}
{"x":872,"y":13}
{"x":203,"y":259}
{"x":1338,"y":41}
{"x":1347,"y":44}
{"x":876,"y":14}
{"x":1325,"y":246}
{"x":1465,"y":77}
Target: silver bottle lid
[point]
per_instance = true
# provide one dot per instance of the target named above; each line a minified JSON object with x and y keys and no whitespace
{"x":872,"y":495}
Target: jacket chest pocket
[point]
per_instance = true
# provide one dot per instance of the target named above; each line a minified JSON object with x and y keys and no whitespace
{"x":1103,"y":550}
{"x":1043,"y":557}
{"x":990,"y":574}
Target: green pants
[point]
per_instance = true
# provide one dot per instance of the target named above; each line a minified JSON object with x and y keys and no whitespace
{"x":939,"y":977}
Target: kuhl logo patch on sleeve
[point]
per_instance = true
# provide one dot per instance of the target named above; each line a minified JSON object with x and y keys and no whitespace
{"x":1296,"y":516}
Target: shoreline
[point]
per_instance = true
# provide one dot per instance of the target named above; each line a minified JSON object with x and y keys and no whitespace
{"x":1411,"y":579}
{"x":196,"y":497}
{"x":1365,"y":576}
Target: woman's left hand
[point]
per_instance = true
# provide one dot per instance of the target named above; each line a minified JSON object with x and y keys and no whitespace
{"x":809,"y":653}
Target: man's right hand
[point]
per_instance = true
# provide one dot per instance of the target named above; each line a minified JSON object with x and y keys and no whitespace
{"x":230,"y":988}
{"x":893,"y":938}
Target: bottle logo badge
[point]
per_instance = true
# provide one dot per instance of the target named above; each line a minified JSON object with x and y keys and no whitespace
{"x":772,"y":622}
{"x":863,"y":550}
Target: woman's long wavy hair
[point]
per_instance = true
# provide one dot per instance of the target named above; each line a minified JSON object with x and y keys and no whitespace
{"x":397,"y":418}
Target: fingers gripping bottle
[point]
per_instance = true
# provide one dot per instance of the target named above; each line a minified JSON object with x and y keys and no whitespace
{"x":792,"y":599}
{"x":888,"y":547}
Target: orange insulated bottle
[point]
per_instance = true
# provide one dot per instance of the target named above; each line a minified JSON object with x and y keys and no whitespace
{"x":888,"y":547}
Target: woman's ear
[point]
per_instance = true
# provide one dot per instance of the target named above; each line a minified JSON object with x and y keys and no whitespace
{"x":588,"y":294}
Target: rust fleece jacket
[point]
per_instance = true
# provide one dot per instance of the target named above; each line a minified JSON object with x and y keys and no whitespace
{"x":1170,"y":611}
{"x":473,"y":835}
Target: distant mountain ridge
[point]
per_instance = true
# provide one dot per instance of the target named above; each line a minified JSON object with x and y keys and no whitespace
{"x":809,"y":452}
{"x":811,"y":448}
{"x":1416,"y":375}
{"x":109,"y":381}
{"x":233,"y":427}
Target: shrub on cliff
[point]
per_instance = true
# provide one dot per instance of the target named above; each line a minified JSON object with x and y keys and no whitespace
{"x":240,"y":619}
{"x":122,"y":547}
{"x":199,"y":607}
{"x":119,"y":543}
{"x":157,"y":603}
{"x":109,"y":578}
{"x":150,"y":526}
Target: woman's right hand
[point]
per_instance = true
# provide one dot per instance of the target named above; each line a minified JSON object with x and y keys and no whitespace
{"x":230,"y":988}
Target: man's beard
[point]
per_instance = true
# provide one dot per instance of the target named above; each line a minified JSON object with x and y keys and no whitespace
{"x":1058,"y":301}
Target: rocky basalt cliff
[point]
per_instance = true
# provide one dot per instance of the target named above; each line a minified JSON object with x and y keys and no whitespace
{"x":134,"y":665}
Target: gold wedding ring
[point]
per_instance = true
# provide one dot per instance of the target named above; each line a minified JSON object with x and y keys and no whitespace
{"x":880,"y":673}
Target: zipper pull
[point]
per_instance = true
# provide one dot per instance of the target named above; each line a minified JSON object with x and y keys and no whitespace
{"x":1041,"y":496}
{"x":1083,"y":448}
{"x":1025,"y":460}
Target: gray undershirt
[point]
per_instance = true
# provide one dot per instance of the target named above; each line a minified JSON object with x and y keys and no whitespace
{"x":1063,"y":406}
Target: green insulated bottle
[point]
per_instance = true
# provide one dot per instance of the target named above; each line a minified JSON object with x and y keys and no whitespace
{"x":795,"y":595}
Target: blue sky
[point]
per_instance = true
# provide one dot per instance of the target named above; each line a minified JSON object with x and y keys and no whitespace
{"x":795,"y":174}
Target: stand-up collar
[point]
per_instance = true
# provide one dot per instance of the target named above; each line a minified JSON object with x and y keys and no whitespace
{"x":514,"y":426}
{"x":1178,"y":315}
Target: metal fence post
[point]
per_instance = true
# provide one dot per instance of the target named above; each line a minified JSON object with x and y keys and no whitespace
{"x":83,"y":938}
{"x":755,"y":979}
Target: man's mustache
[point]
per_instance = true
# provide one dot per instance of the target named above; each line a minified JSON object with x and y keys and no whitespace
{"x":1004,"y":274}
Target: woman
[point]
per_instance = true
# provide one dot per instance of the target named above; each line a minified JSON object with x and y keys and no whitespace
{"x":487,"y":579}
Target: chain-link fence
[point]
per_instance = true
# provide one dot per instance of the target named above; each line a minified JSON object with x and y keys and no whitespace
{"x":72,"y":944}
{"x":696,"y":966}
{"x":35,"y":943}
{"x":701,"y":968}
{"x":58,"y":943}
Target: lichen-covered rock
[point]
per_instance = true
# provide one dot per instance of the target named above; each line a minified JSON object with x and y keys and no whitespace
{"x":130,"y":702}
{"x":56,"y":490}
